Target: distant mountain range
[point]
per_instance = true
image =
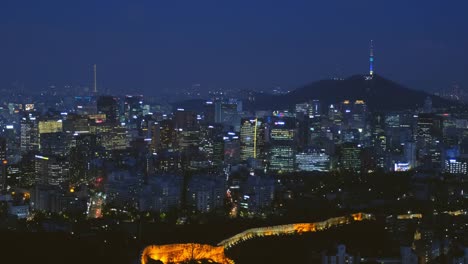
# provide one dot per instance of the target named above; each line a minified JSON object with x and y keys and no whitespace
{"x":380,"y":94}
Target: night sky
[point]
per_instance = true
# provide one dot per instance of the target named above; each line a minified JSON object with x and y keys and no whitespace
{"x":148,"y":46}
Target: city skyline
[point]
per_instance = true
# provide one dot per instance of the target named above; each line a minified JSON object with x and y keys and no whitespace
{"x":212,"y":131}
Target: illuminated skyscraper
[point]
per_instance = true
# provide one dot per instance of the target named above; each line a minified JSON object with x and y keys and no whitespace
{"x":50,"y":126}
{"x":133,"y":108}
{"x":252,"y":136}
{"x":313,"y":160}
{"x":29,"y":134}
{"x":283,"y":135}
{"x":350,"y":157}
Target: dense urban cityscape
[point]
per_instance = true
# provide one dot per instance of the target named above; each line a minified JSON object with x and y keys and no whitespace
{"x":91,"y":165}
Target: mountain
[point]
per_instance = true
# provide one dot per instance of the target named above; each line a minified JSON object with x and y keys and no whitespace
{"x":380,"y":94}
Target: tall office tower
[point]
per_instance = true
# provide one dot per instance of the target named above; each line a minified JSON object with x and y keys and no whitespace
{"x":283,"y":135}
{"x":313,"y":160}
{"x":188,"y":140}
{"x":346,"y":108}
{"x":315,"y":108}
{"x":450,"y":132}
{"x":109,"y":106}
{"x":13,"y":142}
{"x":350,"y":157}
{"x":209,"y":112}
{"x":252,"y":138}
{"x":51,"y":170}
{"x":392,"y":130}
{"x":133,"y":108}
{"x":359,"y":115}
{"x":314,"y":129}
{"x":50,"y":126}
{"x":409,"y":152}
{"x":81,"y":156}
{"x":303,"y":108}
{"x":428,"y":130}
{"x":231,"y":148}
{"x":168,"y":135}
{"x":334,"y":115}
{"x":155,"y":131}
{"x":185,"y":119}
{"x":29,"y":134}
{"x":211,"y":138}
{"x":228,"y":113}
{"x":371,"y":59}
{"x":85,"y":105}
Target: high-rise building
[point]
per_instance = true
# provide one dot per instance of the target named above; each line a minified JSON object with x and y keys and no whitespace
{"x":51,"y":170}
{"x":185,"y":119}
{"x":227,"y":113}
{"x":231,"y":148}
{"x":283,"y":136}
{"x":303,"y":108}
{"x":50,"y":126}
{"x":115,"y":139}
{"x":252,"y":138}
{"x":359,"y":115}
{"x":428,"y":130}
{"x":168,"y":135}
{"x":85,"y":105}
{"x":313,"y":160}
{"x":133,"y":109}
{"x":315,"y":108}
{"x":188,"y":139}
{"x":29,"y":134}
{"x":109,"y":106}
{"x":456,"y":166}
{"x":209,"y":112}
{"x":350,"y":157}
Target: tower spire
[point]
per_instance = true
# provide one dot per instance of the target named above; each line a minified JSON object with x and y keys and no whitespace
{"x":371,"y":59}
{"x":95,"y":79}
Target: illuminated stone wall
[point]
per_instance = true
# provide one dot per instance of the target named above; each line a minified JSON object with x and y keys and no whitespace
{"x":176,"y":253}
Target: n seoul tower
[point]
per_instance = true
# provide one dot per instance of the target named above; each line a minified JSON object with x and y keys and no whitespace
{"x":371,"y":59}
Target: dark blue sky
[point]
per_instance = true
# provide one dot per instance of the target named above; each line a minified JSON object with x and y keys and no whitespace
{"x":146,"y":46}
